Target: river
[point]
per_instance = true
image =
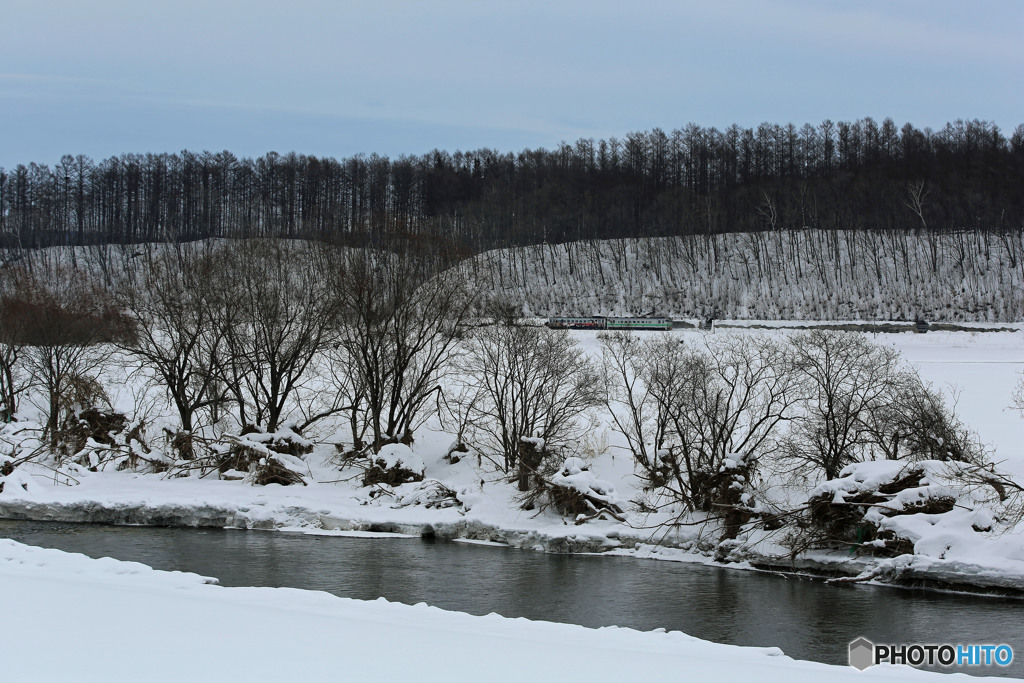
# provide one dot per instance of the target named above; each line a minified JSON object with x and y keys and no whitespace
{"x":807,"y":618}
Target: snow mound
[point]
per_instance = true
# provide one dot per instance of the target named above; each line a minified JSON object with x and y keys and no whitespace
{"x":925,"y":510}
{"x":577,"y":490}
{"x":399,"y":455}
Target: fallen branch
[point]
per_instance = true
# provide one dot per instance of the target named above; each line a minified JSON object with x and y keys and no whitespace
{"x":580,"y":519}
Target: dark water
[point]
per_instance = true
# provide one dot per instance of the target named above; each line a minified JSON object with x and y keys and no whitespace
{"x":807,"y":619}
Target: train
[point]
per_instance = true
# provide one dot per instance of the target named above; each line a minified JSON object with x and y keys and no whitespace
{"x":600,"y":322}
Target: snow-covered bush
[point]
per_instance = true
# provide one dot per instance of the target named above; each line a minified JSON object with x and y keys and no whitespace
{"x":576,"y":492}
{"x":889,"y":507}
{"x":456,"y":452}
{"x":430,"y":493}
{"x":259,"y":457}
{"x":394,"y":465}
{"x":14,"y":481}
{"x":100,"y":439}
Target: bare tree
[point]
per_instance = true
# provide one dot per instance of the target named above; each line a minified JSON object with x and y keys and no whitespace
{"x":767,"y":210}
{"x":698,"y":416}
{"x":398,"y":326}
{"x":729,"y":397}
{"x":1017,"y":400}
{"x":636,"y":406}
{"x":280,"y":315}
{"x":916,"y":194}
{"x":347,"y":394}
{"x":14,"y":379}
{"x":61,"y":318}
{"x":535,"y":385}
{"x":915,"y":423}
{"x":173,"y":296}
{"x":846,"y":381}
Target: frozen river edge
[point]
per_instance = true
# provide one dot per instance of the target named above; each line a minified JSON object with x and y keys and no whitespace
{"x":915,"y":571}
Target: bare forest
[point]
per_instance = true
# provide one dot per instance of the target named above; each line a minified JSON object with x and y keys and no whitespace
{"x":861,"y":176}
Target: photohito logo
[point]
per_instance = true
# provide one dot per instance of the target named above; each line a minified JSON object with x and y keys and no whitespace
{"x":864,"y":653}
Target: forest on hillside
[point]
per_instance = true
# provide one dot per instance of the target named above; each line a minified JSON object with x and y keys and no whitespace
{"x":859,"y":175}
{"x":959,"y":275}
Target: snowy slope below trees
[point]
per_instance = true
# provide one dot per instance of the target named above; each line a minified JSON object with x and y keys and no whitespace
{"x":784,"y":275}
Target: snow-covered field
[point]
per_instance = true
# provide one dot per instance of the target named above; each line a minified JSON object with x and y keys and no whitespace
{"x":980,"y":370}
{"x":67,"y":617}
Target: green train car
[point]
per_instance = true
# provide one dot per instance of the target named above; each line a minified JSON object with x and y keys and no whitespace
{"x":599,"y":322}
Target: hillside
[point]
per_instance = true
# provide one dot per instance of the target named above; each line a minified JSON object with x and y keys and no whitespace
{"x":784,"y":275}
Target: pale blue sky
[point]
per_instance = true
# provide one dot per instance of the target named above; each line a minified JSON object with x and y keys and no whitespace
{"x":337,"y":78}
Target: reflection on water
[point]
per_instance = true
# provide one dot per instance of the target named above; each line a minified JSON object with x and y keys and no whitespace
{"x":807,"y":619}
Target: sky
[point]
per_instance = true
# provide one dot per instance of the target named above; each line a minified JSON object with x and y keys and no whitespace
{"x":339,"y":77}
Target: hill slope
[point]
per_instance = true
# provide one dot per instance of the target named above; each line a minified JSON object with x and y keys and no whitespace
{"x":785,"y":275}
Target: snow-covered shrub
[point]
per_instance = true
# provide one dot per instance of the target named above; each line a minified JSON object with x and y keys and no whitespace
{"x":264,"y":457}
{"x":91,"y":425}
{"x":430,"y":493}
{"x":863,"y":507}
{"x":15,"y":481}
{"x":533,"y":457}
{"x":182,"y":444}
{"x":729,"y":492}
{"x":94,"y":435}
{"x":456,"y":452}
{"x":575,"y":491}
{"x":394,"y":465}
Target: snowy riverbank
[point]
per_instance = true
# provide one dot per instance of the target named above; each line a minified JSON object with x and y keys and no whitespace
{"x":948,"y":552}
{"x":68,"y":617}
{"x":323,"y":508}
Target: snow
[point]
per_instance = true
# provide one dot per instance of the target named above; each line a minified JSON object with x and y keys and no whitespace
{"x":484,"y":505}
{"x":396,"y":454}
{"x":80,"y":619}
{"x":949,"y":537}
{"x":813,"y":275}
{"x":536,"y":442}
{"x":576,"y":474}
{"x":67,"y":617}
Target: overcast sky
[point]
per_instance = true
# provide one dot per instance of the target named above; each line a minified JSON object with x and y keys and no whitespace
{"x":336,"y":77}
